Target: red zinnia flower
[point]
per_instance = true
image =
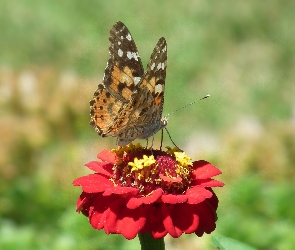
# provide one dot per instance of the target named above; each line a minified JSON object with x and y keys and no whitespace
{"x":136,"y":190}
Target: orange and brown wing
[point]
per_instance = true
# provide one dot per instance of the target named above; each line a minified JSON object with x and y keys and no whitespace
{"x":146,"y":105}
{"x":153,"y":81}
{"x":122,"y":74}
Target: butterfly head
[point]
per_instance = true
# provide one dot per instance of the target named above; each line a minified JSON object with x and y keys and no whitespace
{"x":164,"y":121}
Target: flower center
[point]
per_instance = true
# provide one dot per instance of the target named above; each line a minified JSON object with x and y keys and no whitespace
{"x":147,"y":170}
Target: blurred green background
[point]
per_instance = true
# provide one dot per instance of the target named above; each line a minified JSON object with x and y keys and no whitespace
{"x":52,"y":56}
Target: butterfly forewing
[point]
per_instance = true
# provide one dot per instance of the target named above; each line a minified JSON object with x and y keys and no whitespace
{"x":129,"y":102}
{"x":124,"y":67}
{"x":145,"y":108}
{"x":122,"y":73}
{"x":154,"y":78}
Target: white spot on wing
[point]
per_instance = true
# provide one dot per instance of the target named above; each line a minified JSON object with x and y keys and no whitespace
{"x":128,"y":37}
{"x":121,"y":37}
{"x":132,"y":55}
{"x":153,"y":66}
{"x":158,"y":88}
{"x":161,"y":66}
{"x":120,"y":52}
{"x":164,"y":49}
{"x":136,"y":80}
{"x":119,"y":43}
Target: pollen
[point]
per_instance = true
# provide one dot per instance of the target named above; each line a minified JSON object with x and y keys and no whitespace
{"x":139,"y":164}
{"x":183,"y":159}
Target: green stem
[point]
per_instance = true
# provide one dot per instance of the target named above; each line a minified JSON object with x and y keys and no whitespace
{"x":147,"y":242}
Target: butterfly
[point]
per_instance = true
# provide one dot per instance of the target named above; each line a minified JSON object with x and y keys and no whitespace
{"x":128,"y":103}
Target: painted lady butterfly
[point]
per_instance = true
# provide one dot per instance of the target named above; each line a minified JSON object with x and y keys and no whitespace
{"x":128,"y":103}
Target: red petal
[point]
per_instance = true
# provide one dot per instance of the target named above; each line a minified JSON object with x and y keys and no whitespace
{"x":107,"y":156}
{"x":93,"y":183}
{"x":151,"y":198}
{"x":154,"y":221}
{"x":111,"y":213}
{"x":179,"y":222}
{"x":100,"y":167}
{"x":120,"y":219}
{"x":97,"y":212}
{"x":173,"y":199}
{"x":168,"y":223}
{"x":168,"y":179}
{"x":197,"y":195}
{"x":132,"y":222}
{"x":213,"y":201}
{"x":204,"y":170}
{"x":158,"y":234}
{"x":80,"y":203}
{"x":207,"y":183}
{"x":120,"y":190}
{"x":207,"y":217}
{"x":186,"y":222}
{"x":84,"y":202}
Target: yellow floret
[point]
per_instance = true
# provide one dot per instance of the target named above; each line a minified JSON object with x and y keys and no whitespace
{"x":183,"y":159}
{"x":138,"y":164}
{"x":171,"y":151}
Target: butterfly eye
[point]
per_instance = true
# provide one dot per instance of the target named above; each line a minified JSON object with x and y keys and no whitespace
{"x":164,"y":122}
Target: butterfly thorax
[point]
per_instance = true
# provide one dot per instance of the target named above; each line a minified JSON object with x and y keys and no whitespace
{"x":153,"y":128}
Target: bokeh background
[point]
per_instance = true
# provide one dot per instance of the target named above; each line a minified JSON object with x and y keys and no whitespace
{"x":52,"y":56}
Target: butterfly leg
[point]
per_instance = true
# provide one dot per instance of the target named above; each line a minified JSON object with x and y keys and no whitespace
{"x":151,"y":148}
{"x":162,"y":136}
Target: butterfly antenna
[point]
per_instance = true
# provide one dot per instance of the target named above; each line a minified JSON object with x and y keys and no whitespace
{"x":176,"y":111}
{"x":185,"y":107}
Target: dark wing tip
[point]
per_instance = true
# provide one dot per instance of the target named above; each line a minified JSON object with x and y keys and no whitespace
{"x":119,"y":24}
